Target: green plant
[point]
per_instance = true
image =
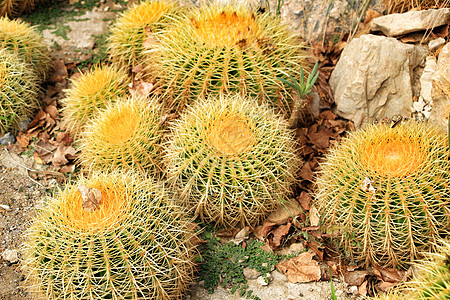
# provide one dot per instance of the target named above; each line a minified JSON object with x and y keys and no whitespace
{"x":231,"y":160}
{"x":224,"y":263}
{"x":387,"y":187}
{"x":22,"y":39}
{"x":302,"y":89}
{"x":123,"y":239}
{"x":137,"y":29}
{"x":126,"y":135}
{"x":18,"y":91}
{"x":90,"y":93}
{"x":226,"y":49}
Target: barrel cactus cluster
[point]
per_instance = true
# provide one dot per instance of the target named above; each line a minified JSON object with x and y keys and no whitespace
{"x":388,"y":189}
{"x":24,"y":64}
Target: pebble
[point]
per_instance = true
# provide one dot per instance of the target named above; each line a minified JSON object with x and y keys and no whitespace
{"x":261,"y":280}
{"x":250,"y":273}
{"x":7,"y":139}
{"x":5,"y":207}
{"x":11,"y":256}
{"x":435,"y":44}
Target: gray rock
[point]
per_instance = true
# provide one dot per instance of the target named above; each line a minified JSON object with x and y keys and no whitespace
{"x":435,"y":44}
{"x":7,"y":139}
{"x":372,"y":78}
{"x":441,"y":90}
{"x":12,"y":256}
{"x":413,"y":21}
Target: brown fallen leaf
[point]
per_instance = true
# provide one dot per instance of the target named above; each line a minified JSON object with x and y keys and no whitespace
{"x":362,"y":289}
{"x":67,"y":168}
{"x":241,"y":236}
{"x":288,"y":209}
{"x":305,"y":200}
{"x":60,"y":72}
{"x":23,"y":139}
{"x":355,"y":277}
{"x":91,"y":198}
{"x":301,"y":268}
{"x":279,"y":234}
{"x":150,"y":41}
{"x":306,"y":172}
{"x":62,"y":155}
{"x":141,"y":88}
{"x":314,"y":217}
{"x":263,"y":230}
{"x":44,"y":151}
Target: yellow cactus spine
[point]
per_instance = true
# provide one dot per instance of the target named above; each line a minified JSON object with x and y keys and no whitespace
{"x":91,"y":93}
{"x":232,"y":160}
{"x":388,"y":188}
{"x":226,"y":49}
{"x":126,"y":135}
{"x":135,"y":244}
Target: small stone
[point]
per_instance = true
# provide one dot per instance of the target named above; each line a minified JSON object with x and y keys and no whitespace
{"x":8,"y":139}
{"x":5,"y":207}
{"x":250,"y":273}
{"x":353,"y":289}
{"x":418,"y":105}
{"x":264,"y":280}
{"x":11,"y":256}
{"x":435,"y":44}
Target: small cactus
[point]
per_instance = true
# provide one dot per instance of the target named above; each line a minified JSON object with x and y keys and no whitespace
{"x":232,"y":160}
{"x":388,"y":188}
{"x":18,"y":91}
{"x":126,"y":135}
{"x":113,"y":236}
{"x":22,"y":39}
{"x":137,"y":27}
{"x":227,"y":49}
{"x":16,"y":7}
{"x":91,"y":93}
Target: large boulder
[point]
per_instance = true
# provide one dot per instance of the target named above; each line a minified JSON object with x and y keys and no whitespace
{"x":441,"y":90}
{"x":373,"y":78}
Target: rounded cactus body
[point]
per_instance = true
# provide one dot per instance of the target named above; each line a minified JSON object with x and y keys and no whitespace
{"x":135,"y":244}
{"x":226,"y":49}
{"x":136,"y":30}
{"x":22,"y":39}
{"x":388,"y":190}
{"x":18,"y":91}
{"x":127,"y":135}
{"x":231,"y":160}
{"x":90,"y":93}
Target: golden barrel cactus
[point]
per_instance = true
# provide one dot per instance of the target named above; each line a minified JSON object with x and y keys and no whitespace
{"x":226,"y":49}
{"x":113,"y":236}
{"x":388,"y":190}
{"x":232,"y":160}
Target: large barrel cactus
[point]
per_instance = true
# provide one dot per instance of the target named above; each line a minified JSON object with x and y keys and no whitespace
{"x":22,"y":39}
{"x":18,"y":91}
{"x":232,"y":160}
{"x":388,"y":190}
{"x":126,"y":135}
{"x":136,"y":30}
{"x":113,"y":236}
{"x":226,"y":49}
{"x":90,"y":93}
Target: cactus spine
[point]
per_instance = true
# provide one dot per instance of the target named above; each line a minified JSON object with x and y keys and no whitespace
{"x":26,"y":42}
{"x":136,"y":245}
{"x":90,"y":93}
{"x":137,"y":28}
{"x":389,"y":190}
{"x":226,"y":49}
{"x":231,"y":160}
{"x":126,"y":135}
{"x":18,"y":91}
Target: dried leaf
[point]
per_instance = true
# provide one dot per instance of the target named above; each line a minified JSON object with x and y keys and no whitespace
{"x":62,"y":154}
{"x":141,"y":88}
{"x":288,"y":209}
{"x":60,"y":72}
{"x":301,"y":268}
{"x":355,"y":277}
{"x":306,"y":172}
{"x":91,"y":197}
{"x":241,"y":236}
{"x":23,"y":139}
{"x":321,"y":138}
{"x":263,"y":230}
{"x":305,"y":200}
{"x":314,"y":217}
{"x":279,"y":234}
{"x":52,"y":110}
{"x":67,"y":168}
{"x":150,"y":41}
{"x":362,"y":289}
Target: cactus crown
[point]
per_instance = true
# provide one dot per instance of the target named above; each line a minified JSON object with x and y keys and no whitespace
{"x":394,"y":153}
{"x":112,"y":207}
{"x":123,"y":120}
{"x":144,"y":14}
{"x":231,"y":134}
{"x":227,"y":27}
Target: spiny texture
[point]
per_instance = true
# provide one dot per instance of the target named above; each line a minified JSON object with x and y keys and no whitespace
{"x":433,"y":280}
{"x":388,"y":188}
{"x":232,"y":160}
{"x":137,"y":29}
{"x":126,"y":135}
{"x":90,"y":93}
{"x":401,"y":6}
{"x":136,"y":245}
{"x":22,"y":39}
{"x":226,"y":49}
{"x":18,"y":91}
{"x":16,"y":7}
